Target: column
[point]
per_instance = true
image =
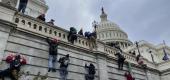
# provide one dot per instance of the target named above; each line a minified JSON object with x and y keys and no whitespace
{"x":102,"y":67}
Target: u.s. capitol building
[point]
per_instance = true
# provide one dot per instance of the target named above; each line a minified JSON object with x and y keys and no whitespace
{"x":24,"y":34}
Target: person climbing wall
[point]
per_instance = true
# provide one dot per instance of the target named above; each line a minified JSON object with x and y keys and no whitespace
{"x":120,"y":61}
{"x":16,"y":61}
{"x":53,"y":52}
{"x":64,"y":62}
{"x":91,"y":72}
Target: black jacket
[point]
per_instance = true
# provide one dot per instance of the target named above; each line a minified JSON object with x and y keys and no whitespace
{"x":63,"y":62}
{"x":15,"y":64}
{"x":53,"y":47}
{"x":91,"y":69}
{"x":23,"y":1}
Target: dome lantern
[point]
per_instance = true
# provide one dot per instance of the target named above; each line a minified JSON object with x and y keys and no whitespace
{"x":103,"y":16}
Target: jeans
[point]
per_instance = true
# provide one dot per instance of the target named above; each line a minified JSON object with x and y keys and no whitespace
{"x":63,"y":73}
{"x":52,"y":61}
{"x":22,"y":6}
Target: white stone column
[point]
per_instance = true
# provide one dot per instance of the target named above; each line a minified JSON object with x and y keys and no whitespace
{"x":102,"y":67}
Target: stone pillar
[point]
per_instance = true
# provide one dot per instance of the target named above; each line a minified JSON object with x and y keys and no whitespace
{"x":102,"y":67}
{"x":5,"y":29}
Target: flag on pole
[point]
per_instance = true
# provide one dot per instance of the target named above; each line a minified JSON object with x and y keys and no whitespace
{"x":165,"y":57}
{"x":129,"y":67}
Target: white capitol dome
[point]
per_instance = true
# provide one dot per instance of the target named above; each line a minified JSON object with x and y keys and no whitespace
{"x":109,"y":32}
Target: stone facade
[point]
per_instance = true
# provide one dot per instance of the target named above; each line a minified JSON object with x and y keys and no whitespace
{"x":26,"y":35}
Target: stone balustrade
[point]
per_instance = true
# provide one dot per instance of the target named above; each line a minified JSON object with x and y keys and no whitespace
{"x":35,"y":26}
{"x":164,"y":66}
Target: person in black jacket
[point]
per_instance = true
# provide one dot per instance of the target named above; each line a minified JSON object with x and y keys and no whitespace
{"x":72,"y":36}
{"x":64,"y":61}
{"x":22,"y":5}
{"x":121,"y":60}
{"x":13,"y":70}
{"x":81,"y":32}
{"x":53,"y":51}
{"x":91,"y":72}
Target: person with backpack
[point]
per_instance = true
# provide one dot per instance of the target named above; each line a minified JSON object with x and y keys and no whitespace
{"x":72,"y":36}
{"x":64,"y":62}
{"x":91,"y":72}
{"x":120,"y":61}
{"x":22,"y":5}
{"x":53,"y":52}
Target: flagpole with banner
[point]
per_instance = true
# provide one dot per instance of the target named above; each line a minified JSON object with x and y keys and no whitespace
{"x":165,"y":57}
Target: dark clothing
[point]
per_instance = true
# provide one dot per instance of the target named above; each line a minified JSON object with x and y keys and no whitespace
{"x":63,"y":62}
{"x":72,"y":35}
{"x":23,"y":1}
{"x":14,"y":65}
{"x":87,"y":35}
{"x":91,"y":69}
{"x":137,"y":58}
{"x":63,"y":73}
{"x":63,"y":67}
{"x":80,"y":32}
{"x":7,"y":73}
{"x":41,"y":18}
{"x":22,"y":7}
{"x":91,"y":72}
{"x":53,"y":47}
{"x":121,"y":60}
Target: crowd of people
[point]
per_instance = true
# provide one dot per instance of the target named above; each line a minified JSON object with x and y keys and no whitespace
{"x":15,"y":64}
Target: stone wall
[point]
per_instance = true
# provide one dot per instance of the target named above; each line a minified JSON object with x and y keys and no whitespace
{"x":35,"y":49}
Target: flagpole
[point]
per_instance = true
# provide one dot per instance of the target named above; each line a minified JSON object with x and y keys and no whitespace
{"x":137,"y":45}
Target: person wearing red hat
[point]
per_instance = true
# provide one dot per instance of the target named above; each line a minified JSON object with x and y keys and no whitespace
{"x":53,"y":52}
{"x":13,"y":70}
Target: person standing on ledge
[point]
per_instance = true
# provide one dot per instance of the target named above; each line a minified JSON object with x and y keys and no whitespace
{"x":22,"y":5}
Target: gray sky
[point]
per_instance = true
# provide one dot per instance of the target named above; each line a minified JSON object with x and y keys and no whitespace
{"x":141,"y":19}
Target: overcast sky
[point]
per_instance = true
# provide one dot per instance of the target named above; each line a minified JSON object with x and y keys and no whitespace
{"x":141,"y":19}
